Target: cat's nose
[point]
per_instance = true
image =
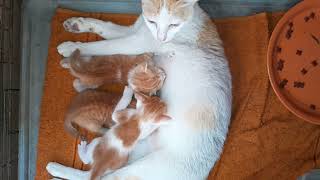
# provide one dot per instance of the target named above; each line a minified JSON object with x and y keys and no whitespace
{"x":162,"y":36}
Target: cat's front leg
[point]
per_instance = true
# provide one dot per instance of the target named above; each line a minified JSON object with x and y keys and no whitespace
{"x":125,"y":99}
{"x":107,"y":30}
{"x":134,"y":44}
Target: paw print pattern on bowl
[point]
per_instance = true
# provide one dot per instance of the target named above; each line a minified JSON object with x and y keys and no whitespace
{"x":294,"y":60}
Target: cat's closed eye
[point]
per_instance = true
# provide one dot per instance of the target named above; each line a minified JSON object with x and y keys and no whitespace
{"x":152,"y":22}
{"x":174,"y":25}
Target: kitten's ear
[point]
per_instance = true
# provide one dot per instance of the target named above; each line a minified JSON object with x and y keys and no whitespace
{"x":140,"y":97}
{"x":162,"y":119}
{"x":146,"y":67}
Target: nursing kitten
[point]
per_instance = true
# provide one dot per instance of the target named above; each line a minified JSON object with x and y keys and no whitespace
{"x":92,"y":109}
{"x":94,"y":71}
{"x":111,"y":151}
{"x":197,"y":88}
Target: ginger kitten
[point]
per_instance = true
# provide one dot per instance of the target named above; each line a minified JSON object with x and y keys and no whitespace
{"x":94,"y":71}
{"x":91,"y":109}
{"x":111,"y":151}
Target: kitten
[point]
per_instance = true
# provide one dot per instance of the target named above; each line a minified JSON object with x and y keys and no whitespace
{"x":92,"y":109}
{"x":197,"y":88}
{"x":94,"y":71}
{"x":111,"y":151}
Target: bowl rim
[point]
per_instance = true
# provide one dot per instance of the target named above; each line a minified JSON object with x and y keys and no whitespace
{"x":300,"y":7}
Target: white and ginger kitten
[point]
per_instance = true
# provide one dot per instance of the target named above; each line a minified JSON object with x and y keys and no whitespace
{"x":111,"y":151}
{"x":197,"y":89}
{"x":91,"y":109}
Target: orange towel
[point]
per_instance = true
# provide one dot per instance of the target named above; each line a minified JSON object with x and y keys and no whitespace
{"x":265,"y":140}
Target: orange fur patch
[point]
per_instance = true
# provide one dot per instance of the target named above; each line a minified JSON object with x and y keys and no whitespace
{"x":177,"y":8}
{"x":208,"y":34}
{"x":91,"y":109}
{"x":153,"y":107}
{"x":106,"y":159}
{"x":98,"y":70}
{"x":128,"y":131}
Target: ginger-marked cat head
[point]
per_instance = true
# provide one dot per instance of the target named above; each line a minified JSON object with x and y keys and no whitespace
{"x":146,"y":78}
{"x":153,"y":113}
{"x":150,"y":114}
{"x":165,"y":18}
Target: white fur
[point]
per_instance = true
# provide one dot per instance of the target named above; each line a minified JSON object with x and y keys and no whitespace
{"x":85,"y":151}
{"x":96,"y":26}
{"x":79,"y":87}
{"x":196,"y":77}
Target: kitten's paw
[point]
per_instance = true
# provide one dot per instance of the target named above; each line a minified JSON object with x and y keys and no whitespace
{"x":82,"y":146}
{"x":67,"y":48}
{"x":83,"y":143}
{"x":82,"y":152}
{"x":65,"y":63}
{"x":76,"y":25}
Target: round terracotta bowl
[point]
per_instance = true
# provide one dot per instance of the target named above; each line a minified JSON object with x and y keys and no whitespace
{"x":294,"y":60}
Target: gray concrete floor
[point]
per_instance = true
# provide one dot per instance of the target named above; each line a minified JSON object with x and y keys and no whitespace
{"x":35,"y":36}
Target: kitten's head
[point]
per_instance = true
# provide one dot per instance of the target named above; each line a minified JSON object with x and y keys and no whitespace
{"x":146,"y":78}
{"x":166,"y":17}
{"x":152,"y":111}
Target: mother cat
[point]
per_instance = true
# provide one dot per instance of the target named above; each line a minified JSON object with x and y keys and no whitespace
{"x":197,"y":89}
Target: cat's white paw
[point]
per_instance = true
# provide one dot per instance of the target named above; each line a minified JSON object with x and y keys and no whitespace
{"x":128,"y":91}
{"x":76,"y":25}
{"x":54,"y":169}
{"x":83,"y":145}
{"x":67,"y":48}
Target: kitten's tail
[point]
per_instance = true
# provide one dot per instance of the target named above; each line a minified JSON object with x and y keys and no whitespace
{"x":71,"y":129}
{"x":77,"y":64}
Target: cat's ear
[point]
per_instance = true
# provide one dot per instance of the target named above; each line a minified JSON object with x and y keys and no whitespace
{"x":140,"y":97}
{"x":162,"y":119}
{"x":190,"y":2}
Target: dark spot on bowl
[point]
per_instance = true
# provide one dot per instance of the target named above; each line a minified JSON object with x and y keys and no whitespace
{"x":304,"y":71}
{"x":306,"y":19}
{"x":298,"y":84}
{"x":299,"y":52}
{"x":312,"y":106}
{"x":283,"y":83}
{"x":314,"y":63}
{"x":312,"y":15}
{"x":280,"y":65}
{"x":279,"y":49}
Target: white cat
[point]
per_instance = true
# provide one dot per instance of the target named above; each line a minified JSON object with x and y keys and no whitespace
{"x":197,"y":89}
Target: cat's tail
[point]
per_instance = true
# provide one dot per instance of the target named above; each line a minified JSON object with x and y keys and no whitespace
{"x":77,"y":63}
{"x":68,"y":126}
{"x":60,"y":171}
